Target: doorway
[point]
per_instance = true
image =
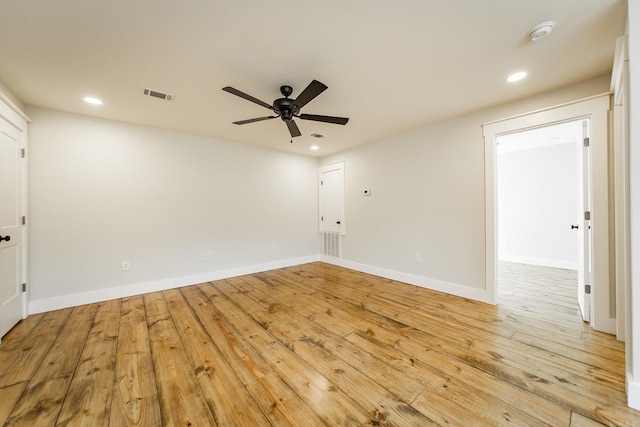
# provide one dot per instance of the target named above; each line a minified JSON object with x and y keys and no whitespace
{"x":541,"y":195}
{"x":602,"y":296}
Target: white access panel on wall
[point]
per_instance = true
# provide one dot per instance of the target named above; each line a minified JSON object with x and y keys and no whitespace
{"x":331,"y":190}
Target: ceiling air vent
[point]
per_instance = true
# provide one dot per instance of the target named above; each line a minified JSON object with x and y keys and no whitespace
{"x":317,"y":135}
{"x":157,"y":94}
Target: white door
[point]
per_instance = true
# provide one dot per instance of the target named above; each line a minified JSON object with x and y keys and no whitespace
{"x":11,"y":304}
{"x":584,"y":221}
{"x":332,"y":198}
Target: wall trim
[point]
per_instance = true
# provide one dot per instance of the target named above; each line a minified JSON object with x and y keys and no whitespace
{"x":424,"y":282}
{"x":65,"y":301}
{"x":5,"y":99}
{"x":544,"y":262}
{"x":633,"y":393}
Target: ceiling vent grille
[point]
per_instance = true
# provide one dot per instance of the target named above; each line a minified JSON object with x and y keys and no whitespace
{"x":157,"y":94}
{"x":317,"y":135}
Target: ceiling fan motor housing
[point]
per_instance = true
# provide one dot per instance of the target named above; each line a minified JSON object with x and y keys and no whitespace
{"x":285,"y":107}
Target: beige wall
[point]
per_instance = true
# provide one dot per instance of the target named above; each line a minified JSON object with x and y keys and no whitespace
{"x":102,"y":192}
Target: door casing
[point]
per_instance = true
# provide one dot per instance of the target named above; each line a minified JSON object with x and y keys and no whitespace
{"x":597,"y":109}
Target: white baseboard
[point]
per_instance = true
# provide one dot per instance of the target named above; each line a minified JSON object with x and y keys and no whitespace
{"x":412,"y":279}
{"x":56,"y":303}
{"x":633,"y":393}
{"x":544,"y":262}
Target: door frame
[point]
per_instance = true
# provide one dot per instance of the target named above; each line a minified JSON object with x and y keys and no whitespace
{"x":10,"y":113}
{"x":322,"y":170}
{"x":596,"y":108}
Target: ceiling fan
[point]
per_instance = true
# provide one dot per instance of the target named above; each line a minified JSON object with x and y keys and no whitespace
{"x":288,"y":109}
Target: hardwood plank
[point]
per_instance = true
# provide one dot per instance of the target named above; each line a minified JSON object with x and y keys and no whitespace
{"x":22,"y":330}
{"x":181,"y":399}
{"x":27,"y":348}
{"x":135,"y":398}
{"x":10,"y":395}
{"x":230,"y":402}
{"x":293,"y":331}
{"x":446,"y":376}
{"x":329,"y":403}
{"x":578,"y":420}
{"x":234,"y":346}
{"x":373,"y":385}
{"x":42,"y":399}
{"x":88,"y":401}
{"x":279,"y":403}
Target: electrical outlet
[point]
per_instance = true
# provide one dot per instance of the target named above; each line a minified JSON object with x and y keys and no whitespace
{"x":209,"y":255}
{"x":274,"y":248}
{"x":125,"y":265}
{"x":418,"y":258}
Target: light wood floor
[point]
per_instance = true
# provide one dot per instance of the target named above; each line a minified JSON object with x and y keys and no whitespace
{"x":317,"y":345}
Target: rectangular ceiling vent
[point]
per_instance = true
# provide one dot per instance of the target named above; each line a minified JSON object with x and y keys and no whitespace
{"x":157,"y":94}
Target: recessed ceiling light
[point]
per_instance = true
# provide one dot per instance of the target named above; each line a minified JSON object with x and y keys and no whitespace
{"x":517,"y":76}
{"x":314,"y":147}
{"x":92,"y":100}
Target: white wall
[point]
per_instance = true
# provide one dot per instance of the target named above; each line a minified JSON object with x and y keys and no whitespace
{"x":427,"y":197}
{"x":103,"y":192}
{"x":537,"y":203}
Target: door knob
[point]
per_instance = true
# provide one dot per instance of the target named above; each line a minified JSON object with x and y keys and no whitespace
{"x":7,"y":238}
{"x":574,"y":227}
{"x":338,"y":222}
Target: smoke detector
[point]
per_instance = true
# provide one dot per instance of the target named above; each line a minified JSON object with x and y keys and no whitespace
{"x":541,"y":30}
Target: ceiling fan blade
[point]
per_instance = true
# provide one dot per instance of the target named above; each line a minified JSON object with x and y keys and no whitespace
{"x":247,"y":97}
{"x":293,"y":128}
{"x":258,"y":119}
{"x":314,"y":89}
{"x":326,"y":119}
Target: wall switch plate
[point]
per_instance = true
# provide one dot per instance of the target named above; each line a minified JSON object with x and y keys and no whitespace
{"x":203,"y":256}
{"x":125,"y":265}
{"x":418,"y":258}
{"x":209,"y":255}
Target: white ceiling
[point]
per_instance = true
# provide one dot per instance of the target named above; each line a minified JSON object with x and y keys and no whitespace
{"x":390,"y":66}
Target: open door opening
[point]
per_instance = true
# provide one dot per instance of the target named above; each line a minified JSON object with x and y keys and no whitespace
{"x":602,"y":296}
{"x":542,"y":192}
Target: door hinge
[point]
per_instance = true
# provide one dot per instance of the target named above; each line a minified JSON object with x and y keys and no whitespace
{"x":23,"y":152}
{"x":586,"y":142}
{"x":321,"y":182}
{"x":321,"y":218}
{"x":24,"y":287}
{"x":587,"y":216}
{"x":24,"y":220}
{"x":587,"y":289}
